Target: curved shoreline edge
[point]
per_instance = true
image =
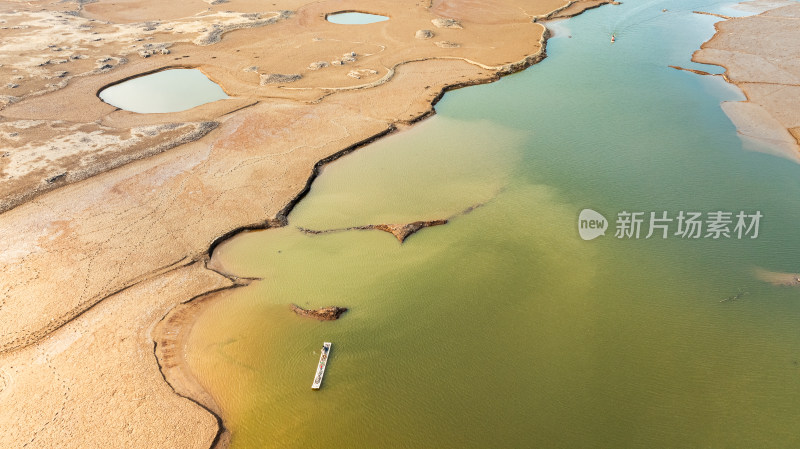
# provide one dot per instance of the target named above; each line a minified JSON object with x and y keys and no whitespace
{"x":174,"y":328}
{"x":756,"y":70}
{"x":179,"y":321}
{"x":81,"y":357}
{"x":169,"y":341}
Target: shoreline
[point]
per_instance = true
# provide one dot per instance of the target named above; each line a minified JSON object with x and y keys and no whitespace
{"x":109,"y":271}
{"x":762,"y":119}
{"x":97,"y":285}
{"x":281,"y":219}
{"x":180,"y":320}
{"x":170,"y":336}
{"x":173,"y":329}
{"x":446,"y":74}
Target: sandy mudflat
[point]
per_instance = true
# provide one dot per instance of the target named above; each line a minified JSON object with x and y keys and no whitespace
{"x":92,"y":383}
{"x":778,"y":278}
{"x":107,"y":216}
{"x":760,"y":54}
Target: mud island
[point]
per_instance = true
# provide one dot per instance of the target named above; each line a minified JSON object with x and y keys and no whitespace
{"x":108,"y":215}
{"x":323,"y":314}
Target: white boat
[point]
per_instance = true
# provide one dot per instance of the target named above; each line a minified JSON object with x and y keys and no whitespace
{"x":323,"y":361}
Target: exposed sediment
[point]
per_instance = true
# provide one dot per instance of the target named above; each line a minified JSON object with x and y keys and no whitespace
{"x":323,"y":314}
{"x":169,"y":341}
{"x":721,"y":16}
{"x":94,"y":382}
{"x":759,"y":53}
{"x":696,"y":72}
{"x":778,"y":278}
{"x":72,"y":153}
{"x":400,"y":231}
{"x":90,"y":266}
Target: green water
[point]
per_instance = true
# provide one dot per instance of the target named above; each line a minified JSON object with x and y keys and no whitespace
{"x":503,"y":329}
{"x":166,"y":91}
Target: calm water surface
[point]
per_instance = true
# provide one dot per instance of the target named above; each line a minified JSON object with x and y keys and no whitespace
{"x":166,"y":91}
{"x":355,"y":18}
{"x":503,"y":329}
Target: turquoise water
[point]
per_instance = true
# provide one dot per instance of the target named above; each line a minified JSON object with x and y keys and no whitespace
{"x":166,"y":91}
{"x":503,"y":328}
{"x":355,"y":18}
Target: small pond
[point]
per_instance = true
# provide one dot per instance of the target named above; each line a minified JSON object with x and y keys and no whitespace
{"x":354,"y":18}
{"x":166,"y":91}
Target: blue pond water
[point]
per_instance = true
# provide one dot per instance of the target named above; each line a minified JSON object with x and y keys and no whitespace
{"x":166,"y":91}
{"x":355,"y":18}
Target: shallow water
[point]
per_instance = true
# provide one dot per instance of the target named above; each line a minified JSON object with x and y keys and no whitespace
{"x":355,"y":18}
{"x":503,"y":328}
{"x":166,"y":91}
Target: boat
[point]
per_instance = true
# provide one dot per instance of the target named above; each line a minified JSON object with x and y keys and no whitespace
{"x":323,"y":361}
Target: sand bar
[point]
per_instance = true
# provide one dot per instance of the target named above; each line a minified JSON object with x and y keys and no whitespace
{"x":760,"y":55}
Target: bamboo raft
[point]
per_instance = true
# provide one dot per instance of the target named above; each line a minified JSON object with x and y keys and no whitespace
{"x":323,"y":361}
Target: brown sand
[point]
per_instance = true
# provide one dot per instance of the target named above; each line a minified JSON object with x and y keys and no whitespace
{"x":106,"y":224}
{"x":760,"y":55}
{"x":778,"y":278}
{"x":94,"y":382}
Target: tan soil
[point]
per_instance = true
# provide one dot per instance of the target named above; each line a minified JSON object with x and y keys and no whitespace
{"x":760,"y":55}
{"x":95,"y":383}
{"x":778,"y":278}
{"x":92,"y":260}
